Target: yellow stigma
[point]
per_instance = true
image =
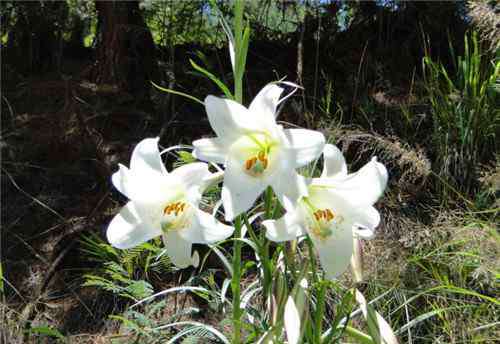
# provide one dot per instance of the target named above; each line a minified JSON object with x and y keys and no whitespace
{"x":257,"y":164}
{"x":174,"y":216}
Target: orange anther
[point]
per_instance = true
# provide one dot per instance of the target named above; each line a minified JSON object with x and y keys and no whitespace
{"x":317,"y":215}
{"x":329,"y":215}
{"x":261,"y":156}
{"x":249,"y":163}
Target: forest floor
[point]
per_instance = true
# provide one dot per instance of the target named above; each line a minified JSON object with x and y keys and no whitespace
{"x":61,"y":141}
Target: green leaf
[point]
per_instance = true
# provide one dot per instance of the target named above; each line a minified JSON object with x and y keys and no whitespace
{"x":184,"y":158}
{"x":242,"y":56}
{"x":46,"y":331}
{"x":168,"y":90}
{"x":139,"y":289}
{"x":212,"y":77}
{"x":342,"y":310}
{"x":378,"y":328}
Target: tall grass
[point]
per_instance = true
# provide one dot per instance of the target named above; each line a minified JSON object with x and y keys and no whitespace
{"x":464,"y":108}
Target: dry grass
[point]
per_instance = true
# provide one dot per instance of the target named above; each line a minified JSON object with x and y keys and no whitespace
{"x":487,"y":21}
{"x":409,"y":167}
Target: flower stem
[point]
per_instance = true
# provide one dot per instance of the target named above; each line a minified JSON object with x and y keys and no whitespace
{"x":312,"y":259}
{"x":268,"y":202}
{"x":264,"y":244}
{"x":238,"y":93}
{"x":235,"y":282}
{"x":320,"y":310}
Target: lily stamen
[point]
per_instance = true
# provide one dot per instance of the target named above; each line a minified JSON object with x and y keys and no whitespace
{"x":176,"y":207}
{"x":324,"y":221}
{"x":257,"y":164}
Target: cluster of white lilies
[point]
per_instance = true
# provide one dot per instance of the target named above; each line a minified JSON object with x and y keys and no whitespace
{"x":256,"y":153}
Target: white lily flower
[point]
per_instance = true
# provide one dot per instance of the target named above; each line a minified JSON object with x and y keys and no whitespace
{"x":256,"y":151}
{"x":163,"y":203}
{"x":337,"y":204}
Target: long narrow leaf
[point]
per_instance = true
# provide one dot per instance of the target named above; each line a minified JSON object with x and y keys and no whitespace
{"x":168,"y":90}
{"x":379,"y":329}
{"x":170,"y":290}
{"x":211,"y":329}
{"x":212,"y":77}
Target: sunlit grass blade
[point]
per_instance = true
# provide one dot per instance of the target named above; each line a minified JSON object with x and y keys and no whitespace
{"x":195,"y":324}
{"x":171,"y":290}
{"x":423,"y":317}
{"x":213,"y":78}
{"x":185,"y":95}
{"x":378,"y":327}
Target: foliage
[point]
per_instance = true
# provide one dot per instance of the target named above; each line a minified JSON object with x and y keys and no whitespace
{"x":121,"y":272}
{"x":47,"y":331}
{"x":446,"y":290}
{"x":465,"y":113}
{"x":115,"y":279}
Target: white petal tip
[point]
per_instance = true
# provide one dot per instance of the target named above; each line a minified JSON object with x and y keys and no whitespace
{"x":195,"y":259}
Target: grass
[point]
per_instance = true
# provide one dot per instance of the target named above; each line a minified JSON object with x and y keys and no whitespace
{"x":464,"y":107}
{"x":446,"y":291}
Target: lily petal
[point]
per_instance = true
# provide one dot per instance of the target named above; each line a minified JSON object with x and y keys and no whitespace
{"x":264,"y":104}
{"x":146,"y":158}
{"x":127,"y":229}
{"x":303,"y":145}
{"x":145,"y":189}
{"x":289,"y":187}
{"x":366,"y":221}
{"x":239,"y":190}
{"x":205,"y":229}
{"x":285,"y":228}
{"x":212,"y":149}
{"x":368,"y":218}
{"x":121,"y":179}
{"x":179,"y":250}
{"x":229,"y":119}
{"x":359,"y":189}
{"x":335,"y":252}
{"x":191,"y":174}
{"x":333,"y":162}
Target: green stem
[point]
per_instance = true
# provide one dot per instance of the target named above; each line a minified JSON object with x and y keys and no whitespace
{"x":238,"y":95}
{"x":312,"y":259}
{"x":264,"y":244}
{"x":320,"y":310}
{"x":235,"y":282}
{"x":268,"y":202}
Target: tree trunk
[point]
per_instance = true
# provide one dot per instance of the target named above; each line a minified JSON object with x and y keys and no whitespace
{"x":126,"y":55}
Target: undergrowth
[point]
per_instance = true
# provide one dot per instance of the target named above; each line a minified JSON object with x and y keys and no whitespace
{"x":464,"y":107}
